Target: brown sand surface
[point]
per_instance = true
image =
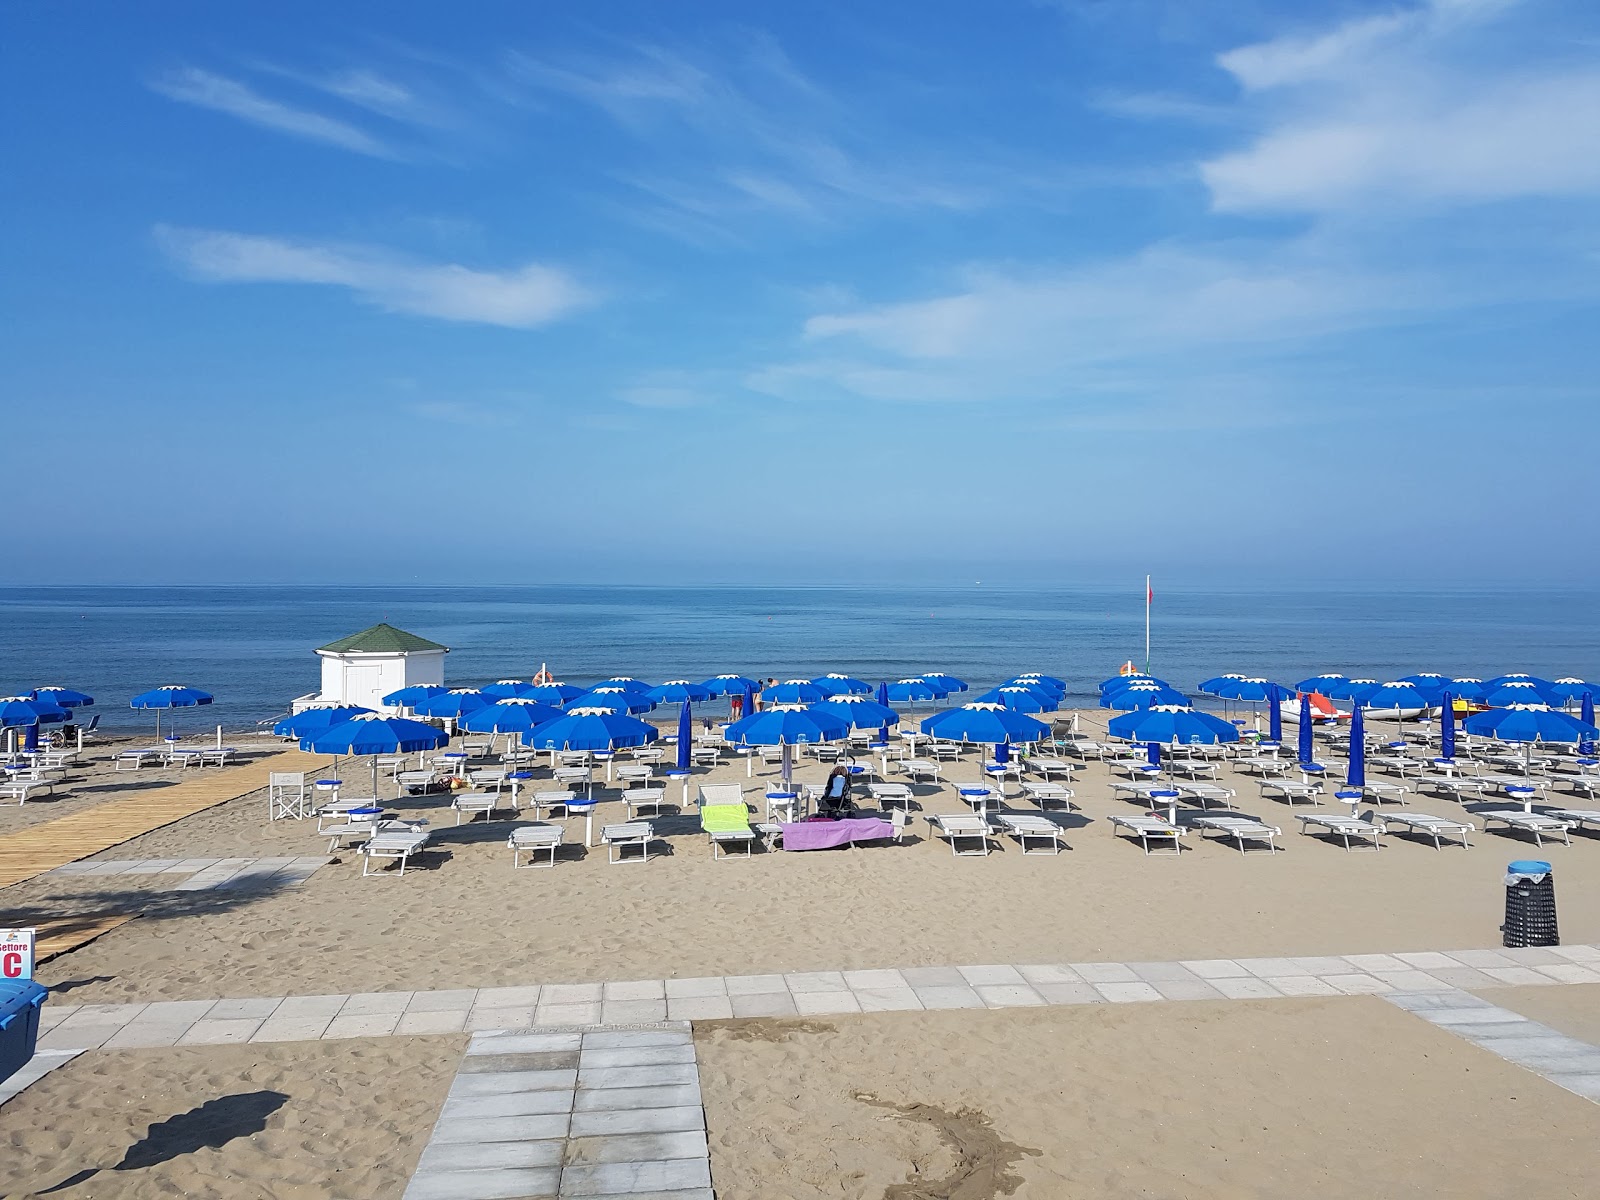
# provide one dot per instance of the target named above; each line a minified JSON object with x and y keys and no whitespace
{"x":1335,"y":1097}
{"x":286,"y":1121}
{"x":466,"y":918}
{"x":1572,"y":1008}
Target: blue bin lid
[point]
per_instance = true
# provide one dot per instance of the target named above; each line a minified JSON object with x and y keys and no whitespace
{"x":1528,"y":866}
{"x":17,"y":996}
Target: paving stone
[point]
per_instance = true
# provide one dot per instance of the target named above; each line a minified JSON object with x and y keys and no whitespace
{"x":1519,"y":976}
{"x":569,"y":993}
{"x":1532,"y":956}
{"x":1124,"y":993}
{"x":490,"y":1156}
{"x":749,"y":985}
{"x":567,"y":1014}
{"x":80,"y":1037}
{"x":508,"y":997}
{"x":1481,"y":958}
{"x":636,"y":989}
{"x":35,"y":1069}
{"x":638,"y":1120}
{"x":627,"y":1077}
{"x":260,"y":1008}
{"x":619,"y":1039}
{"x":462,"y":998}
{"x":707,"y":985}
{"x":481,"y":1018}
{"x":1302,"y":985}
{"x":1105,"y":972}
{"x":509,"y":1104}
{"x":629,"y":1179}
{"x":1246,"y":988}
{"x":527,"y":1060}
{"x":638,"y":1056}
{"x":1427,"y":960}
{"x":700,"y":1008}
{"x":1180,"y":989}
{"x":942,"y":996}
{"x":1266,"y":968}
{"x":1412,"y":981}
{"x":1578,"y":953}
{"x":279,"y":1028}
{"x":1462,"y":977}
{"x":889,"y":999}
{"x":115,"y":1015}
{"x":531,"y":1127}
{"x":310,"y":1006}
{"x":1069,"y":993}
{"x":363,"y":1004}
{"x":921,"y":977}
{"x":207,"y":1032}
{"x":1481,"y":1013}
{"x":1049,"y":973}
{"x":678,"y":1095}
{"x":172,"y":1011}
{"x":994,"y":976}
{"x":1374,"y":962}
{"x":637,"y":1147}
{"x":763,"y":1004}
{"x":1359,"y":984}
{"x":1150,"y":972}
{"x":816,"y":981}
{"x":140,"y":1035}
{"x":445,"y":1021}
{"x":875,"y":980}
{"x":1571,"y":973}
{"x":373,"y":1025}
{"x":1327,"y":964}
{"x":814,"y":1004}
{"x":1008,"y":996}
{"x":1587,"y":1086}
{"x":623,"y":1012}
{"x":524,"y":1043}
{"x":467,"y":1086}
{"x":1428,"y":1001}
{"x":518,"y":1184}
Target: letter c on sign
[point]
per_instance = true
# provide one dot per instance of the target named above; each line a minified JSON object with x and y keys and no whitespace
{"x":10,"y":964}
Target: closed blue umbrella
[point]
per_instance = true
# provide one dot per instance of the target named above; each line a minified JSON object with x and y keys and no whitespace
{"x":1357,"y":776}
{"x":558,"y":693}
{"x":729,"y":685}
{"x":883,"y":699}
{"x":1173,"y":723}
{"x":1020,"y":699}
{"x":795,"y":691}
{"x":312,"y":721}
{"x":172,"y":695}
{"x":749,"y":701}
{"x":858,"y":711}
{"x":1153,"y":751}
{"x":1447,"y":726}
{"x":842,"y":685}
{"x":514,"y":714}
{"x":410,"y":697}
{"x":457,"y":703}
{"x":913,"y":691}
{"x":1275,"y":719}
{"x":788,"y":725}
{"x":1586,"y":715}
{"x":685,"y":736}
{"x":676,"y":691}
{"x":62,"y":697}
{"x":580,"y":728}
{"x":1516,"y":691}
{"x":502,"y":689}
{"x":1305,"y":729}
{"x":372,"y":734}
{"x":616,"y":699}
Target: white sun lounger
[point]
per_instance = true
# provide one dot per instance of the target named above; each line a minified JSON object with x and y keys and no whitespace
{"x":891,"y":795}
{"x":1048,"y":767}
{"x":1138,"y":792}
{"x":1206,"y":792}
{"x":20,"y":789}
{"x":132,"y":760}
{"x":1579,"y":785}
{"x":1026,"y":827}
{"x":1288,"y":791}
{"x":1440,"y":829}
{"x":354,"y":827}
{"x":534,"y":840}
{"x":395,"y":844}
{"x":1450,"y":786}
{"x":918,"y":768}
{"x":1380,"y":791}
{"x":1046,"y":794}
{"x":1241,"y":830}
{"x":958,"y":829}
{"x":1343,"y":827}
{"x":1581,"y":818}
{"x":1194,"y":768}
{"x":618,"y":838}
{"x":1148,"y":828}
{"x":470,"y":804}
{"x":1265,"y":766}
{"x":1538,"y":824}
{"x":638,"y":799}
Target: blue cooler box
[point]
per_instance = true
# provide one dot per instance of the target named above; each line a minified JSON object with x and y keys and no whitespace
{"x":20,"y":1002}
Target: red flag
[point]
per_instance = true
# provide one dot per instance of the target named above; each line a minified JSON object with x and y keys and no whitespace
{"x":1149,"y":594}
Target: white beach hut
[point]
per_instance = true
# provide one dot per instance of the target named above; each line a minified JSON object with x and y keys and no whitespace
{"x":365,"y":667}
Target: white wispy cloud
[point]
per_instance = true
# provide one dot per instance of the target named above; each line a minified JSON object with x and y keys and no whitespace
{"x":521,"y":298}
{"x":1407,"y":109}
{"x":206,"y":89}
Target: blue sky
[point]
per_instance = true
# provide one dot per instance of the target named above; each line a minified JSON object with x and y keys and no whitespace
{"x":1027,"y":291}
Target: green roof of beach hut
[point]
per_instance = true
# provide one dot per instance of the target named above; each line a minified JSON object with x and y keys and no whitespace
{"x":381,"y":638}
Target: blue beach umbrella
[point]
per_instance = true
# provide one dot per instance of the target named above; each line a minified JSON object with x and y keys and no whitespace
{"x":502,"y":689}
{"x":1054,"y":684}
{"x":1251,"y":691}
{"x":1118,"y":682}
{"x":1321,"y":684}
{"x":514,"y":714}
{"x":914,"y":691}
{"x":949,"y":683}
{"x":409,"y":697}
{"x":842,"y":685}
{"x":1354,"y":690}
{"x":18,"y":711}
{"x":1169,"y":724}
{"x":1447,"y":726}
{"x":312,"y":721}
{"x":1305,"y":729}
{"x":1529,"y":723}
{"x":616,"y":699}
{"x":456,"y":703}
{"x":1144,"y":697}
{"x":685,"y":745}
{"x":1516,"y":691}
{"x":1586,"y":715}
{"x":626,"y":682}
{"x":794,"y":691}
{"x":172,"y":695}
{"x":677,"y":691}
{"x":1020,"y":699}
{"x":983,"y":723}
{"x":1428,"y":681}
{"x":858,"y":711}
{"x":1357,"y":776}
{"x":1208,"y":687}
{"x":1517,"y":677}
{"x":557,"y":693}
{"x":729,"y":685}
{"x":373,"y":734}
{"x":62,"y":697}
{"x":1467,"y":688}
{"x":580,"y":728}
{"x":1568,"y":690}
{"x":788,"y":725}
{"x":1396,"y":695}
{"x":1275,"y":719}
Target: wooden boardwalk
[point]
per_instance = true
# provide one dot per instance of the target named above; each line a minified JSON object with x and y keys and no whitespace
{"x":31,"y":852}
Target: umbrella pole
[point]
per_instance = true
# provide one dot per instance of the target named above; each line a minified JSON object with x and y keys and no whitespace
{"x":374,"y":776}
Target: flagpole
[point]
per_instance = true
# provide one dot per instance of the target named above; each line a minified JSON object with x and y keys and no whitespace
{"x":1148,"y":596}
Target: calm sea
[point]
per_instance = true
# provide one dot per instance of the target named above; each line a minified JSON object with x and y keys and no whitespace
{"x":252,"y":647}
